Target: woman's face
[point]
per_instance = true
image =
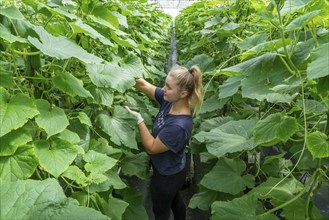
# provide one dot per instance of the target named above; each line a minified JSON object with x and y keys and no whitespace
{"x":171,"y":90}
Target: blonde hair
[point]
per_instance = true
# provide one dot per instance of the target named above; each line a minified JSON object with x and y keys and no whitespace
{"x":190,"y":80}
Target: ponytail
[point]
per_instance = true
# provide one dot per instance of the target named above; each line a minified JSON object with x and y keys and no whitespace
{"x":191,"y":81}
{"x":196,"y":99}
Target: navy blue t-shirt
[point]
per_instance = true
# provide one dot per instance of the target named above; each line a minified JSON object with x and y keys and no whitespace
{"x":175,"y":132}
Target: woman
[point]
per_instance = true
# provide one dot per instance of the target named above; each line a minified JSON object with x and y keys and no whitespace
{"x":180,"y":97}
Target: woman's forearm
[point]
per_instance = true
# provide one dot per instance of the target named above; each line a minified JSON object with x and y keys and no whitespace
{"x":152,"y":145}
{"x":146,"y":137}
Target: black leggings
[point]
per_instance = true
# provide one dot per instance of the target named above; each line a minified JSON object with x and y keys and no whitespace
{"x":166,"y":196}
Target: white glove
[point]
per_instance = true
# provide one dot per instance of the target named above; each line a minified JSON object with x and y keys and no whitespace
{"x":137,"y":115}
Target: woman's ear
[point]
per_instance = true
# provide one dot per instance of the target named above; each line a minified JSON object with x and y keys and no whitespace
{"x":183,"y":94}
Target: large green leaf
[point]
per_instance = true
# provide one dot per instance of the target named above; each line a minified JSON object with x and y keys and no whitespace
{"x":102,"y":22}
{"x":97,"y":162}
{"x":135,"y":210}
{"x":239,"y":208}
{"x":209,"y":124}
{"x":252,"y":41}
{"x":52,"y":119}
{"x":276,"y":165}
{"x":74,"y":173}
{"x":15,"y":111}
{"x":6,"y":76}
{"x":110,"y":75}
{"x":6,"y":35}
{"x":133,"y":65}
{"x":212,"y":103}
{"x":261,"y":90}
{"x":293,"y":5}
{"x":226,"y":177}
{"x":50,"y":11}
{"x":233,"y":136}
{"x":116,"y":207}
{"x":203,"y":199}
{"x":117,"y":127}
{"x":317,"y":143}
{"x":70,"y":85}
{"x":136,"y":165}
{"x":31,"y":199}
{"x":228,"y":29}
{"x":288,"y":186}
{"x":83,"y":132}
{"x":79,"y":27}
{"x":55,"y":155}
{"x":103,"y":96}
{"x":112,"y":181}
{"x":11,"y":141}
{"x":101,"y":145}
{"x":60,"y":47}
{"x":312,"y":106}
{"x":260,"y":77}
{"x":319,"y":67}
{"x":230,"y":87}
{"x":119,"y":76}
{"x":245,"y":207}
{"x":204,"y":62}
{"x":11,"y":12}
{"x":301,"y":21}
{"x":107,"y":15}
{"x":278,"y":194}
{"x":20,"y":165}
{"x":274,"y":128}
{"x":84,"y":119}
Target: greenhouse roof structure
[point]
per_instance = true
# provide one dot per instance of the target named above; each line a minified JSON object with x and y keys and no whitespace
{"x":172,"y":7}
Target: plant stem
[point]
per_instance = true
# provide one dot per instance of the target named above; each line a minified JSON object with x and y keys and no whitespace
{"x":27,"y":53}
{"x":326,"y":130}
{"x":281,"y":25}
{"x":310,"y":193}
{"x":70,"y":184}
{"x":33,"y":77}
{"x":38,"y":174}
{"x":88,"y":196}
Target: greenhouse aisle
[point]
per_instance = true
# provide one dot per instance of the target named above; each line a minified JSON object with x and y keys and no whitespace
{"x":172,"y":58}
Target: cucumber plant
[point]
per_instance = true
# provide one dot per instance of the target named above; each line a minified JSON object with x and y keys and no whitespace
{"x":67,"y":146}
{"x":262,"y":135}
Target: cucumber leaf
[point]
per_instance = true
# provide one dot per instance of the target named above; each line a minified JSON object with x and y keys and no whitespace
{"x":55,"y":155}
{"x":15,"y":111}
{"x":117,"y":127}
{"x":319,"y":66}
{"x":233,"y":136}
{"x":32,"y":199}
{"x":318,"y":144}
{"x":20,"y":165}
{"x":274,"y":128}
{"x":70,"y":85}
{"x":52,"y":119}
{"x":60,"y":47}
{"x":226,"y":177}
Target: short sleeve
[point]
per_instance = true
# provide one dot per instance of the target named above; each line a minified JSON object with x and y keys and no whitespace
{"x":158,"y":94}
{"x":173,"y":137}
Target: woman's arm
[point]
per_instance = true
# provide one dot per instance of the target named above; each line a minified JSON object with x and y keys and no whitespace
{"x":146,"y":88}
{"x":152,"y":145}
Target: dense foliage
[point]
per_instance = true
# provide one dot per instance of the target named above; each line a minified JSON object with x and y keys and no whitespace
{"x":262,"y":135}
{"x":68,"y":148}
{"x":66,"y":142}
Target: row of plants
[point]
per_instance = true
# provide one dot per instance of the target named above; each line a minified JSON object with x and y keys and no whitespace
{"x":67,"y":145}
{"x":262,"y":134}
